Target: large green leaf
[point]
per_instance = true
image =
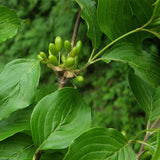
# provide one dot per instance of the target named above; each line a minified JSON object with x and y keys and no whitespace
{"x":117,"y":17}
{"x":157,"y":153}
{"x":9,"y":23}
{"x":17,"y":122}
{"x":18,"y":147}
{"x":89,"y":15}
{"x":59,"y":118}
{"x":100,"y":144}
{"x":18,"y":82}
{"x":146,"y":65}
{"x":147,"y":96}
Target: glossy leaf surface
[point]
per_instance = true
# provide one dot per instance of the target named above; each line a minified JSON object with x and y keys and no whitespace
{"x":18,"y":147}
{"x":59,"y":118}
{"x":146,"y":65}
{"x":17,"y":122}
{"x":18,"y":83}
{"x":100,"y":144}
{"x":9,"y":23}
{"x":89,"y":15}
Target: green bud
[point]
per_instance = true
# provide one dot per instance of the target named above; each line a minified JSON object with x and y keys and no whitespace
{"x":39,"y":57}
{"x":70,"y":61}
{"x":76,"y":61}
{"x":73,"y":52}
{"x":44,"y":62}
{"x":79,"y":46}
{"x":52,"y":49}
{"x":53,"y":60}
{"x":63,"y":58}
{"x":80,"y":79}
{"x":43,"y":55}
{"x":58,"y":43}
{"x":67,"y":46}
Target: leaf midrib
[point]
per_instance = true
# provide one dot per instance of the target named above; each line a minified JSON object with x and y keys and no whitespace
{"x":19,"y":152}
{"x":117,"y":151}
{"x":60,"y":124}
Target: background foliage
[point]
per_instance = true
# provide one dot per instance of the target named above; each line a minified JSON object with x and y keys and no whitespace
{"x":108,"y":92}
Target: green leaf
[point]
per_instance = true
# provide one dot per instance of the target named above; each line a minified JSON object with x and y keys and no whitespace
{"x":100,"y":144}
{"x":59,"y":118}
{"x":152,"y":143}
{"x":18,"y":147}
{"x":156,"y":12}
{"x":117,"y":17}
{"x":89,"y":15}
{"x":146,"y":65}
{"x":142,"y":91}
{"x":9,"y":23}
{"x":156,"y":105}
{"x":147,"y":96}
{"x":17,"y":122}
{"x":157,"y":153}
{"x":154,"y":26}
{"x":18,"y":82}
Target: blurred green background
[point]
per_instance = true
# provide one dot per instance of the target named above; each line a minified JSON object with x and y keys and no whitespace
{"x":105,"y":88}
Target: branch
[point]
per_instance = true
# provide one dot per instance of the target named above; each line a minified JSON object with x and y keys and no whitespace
{"x":146,"y":137}
{"x":62,"y":80}
{"x":76,"y":28}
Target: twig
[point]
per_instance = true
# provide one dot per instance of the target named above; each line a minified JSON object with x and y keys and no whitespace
{"x":62,"y":80}
{"x":142,"y":146}
{"x":90,"y":58}
{"x":76,"y":28}
{"x":146,"y":137}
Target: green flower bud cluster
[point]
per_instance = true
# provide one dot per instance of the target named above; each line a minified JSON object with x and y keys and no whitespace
{"x":54,"y":49}
{"x":66,"y":61}
{"x":72,"y":59}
